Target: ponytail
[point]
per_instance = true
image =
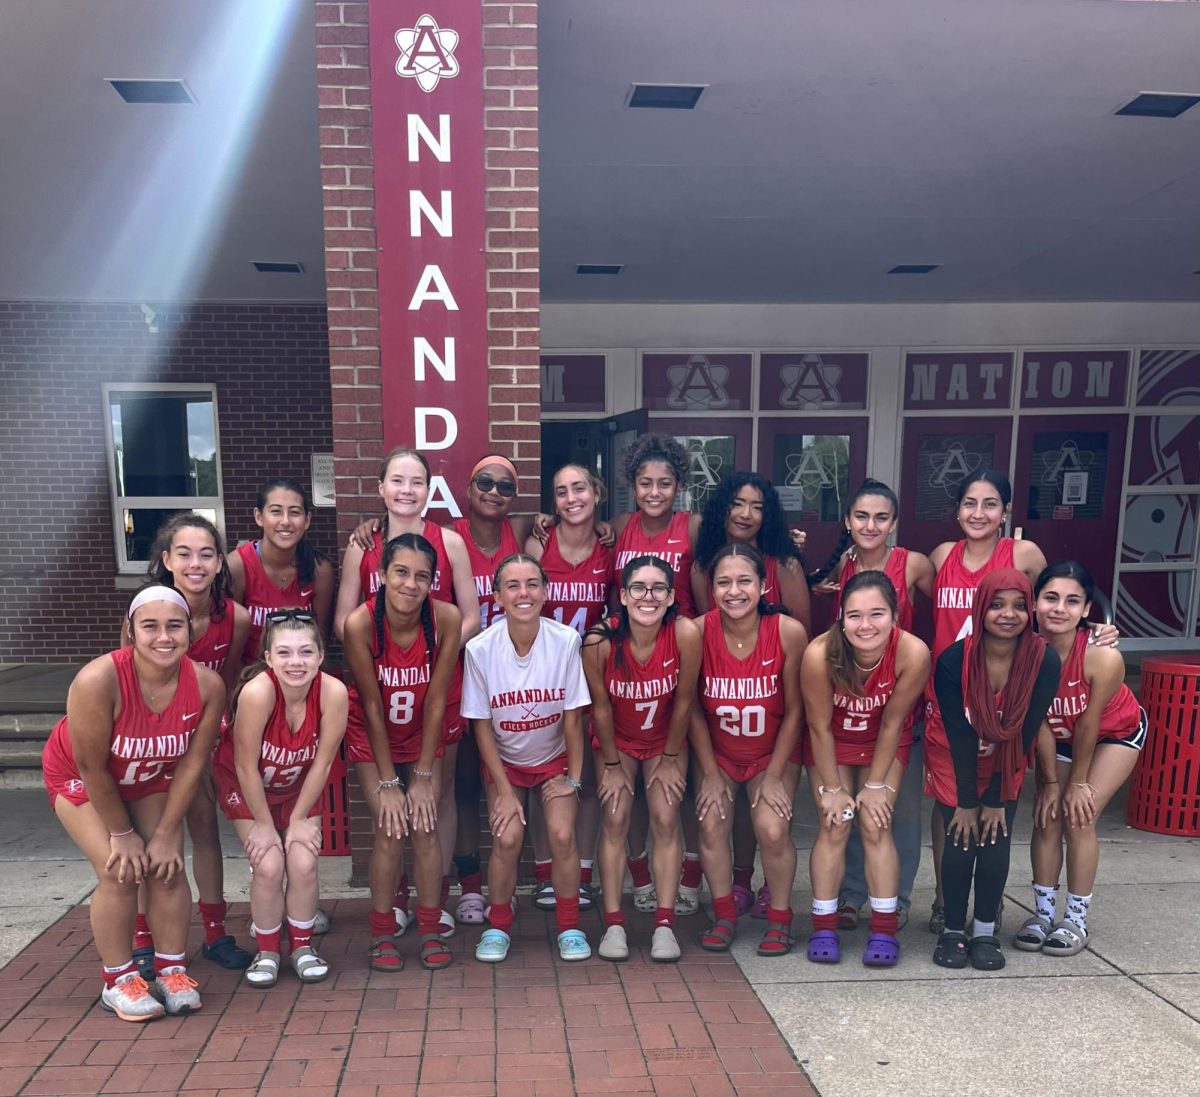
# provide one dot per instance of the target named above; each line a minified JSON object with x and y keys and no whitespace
{"x":824,"y":570}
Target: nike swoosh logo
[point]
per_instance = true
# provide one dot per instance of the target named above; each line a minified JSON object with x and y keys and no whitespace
{"x":1071,"y":685}
{"x":220,"y":647}
{"x":599,"y":571}
{"x":668,"y":662}
{"x":883,"y":685}
{"x":674,"y":540}
{"x":188,"y":715}
{"x":306,"y":593}
{"x":768,"y":662}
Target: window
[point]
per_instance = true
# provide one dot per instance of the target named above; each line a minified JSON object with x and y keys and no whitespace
{"x":163,"y":457}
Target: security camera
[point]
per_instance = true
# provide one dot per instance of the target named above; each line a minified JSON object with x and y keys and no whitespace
{"x":151,"y":318}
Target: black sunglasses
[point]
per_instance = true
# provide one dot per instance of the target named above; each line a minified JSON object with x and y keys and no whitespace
{"x":506,"y":488}
{"x":304,"y":615}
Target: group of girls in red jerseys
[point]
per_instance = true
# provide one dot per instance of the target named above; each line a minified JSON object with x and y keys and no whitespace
{"x":652,"y":679}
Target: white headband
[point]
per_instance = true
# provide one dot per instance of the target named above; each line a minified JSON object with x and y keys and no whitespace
{"x":158,"y":594}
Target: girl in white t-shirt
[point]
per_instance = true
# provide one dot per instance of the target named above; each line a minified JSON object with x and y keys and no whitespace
{"x":524,"y":691}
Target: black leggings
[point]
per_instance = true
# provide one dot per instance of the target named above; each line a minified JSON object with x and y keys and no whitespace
{"x":987,"y":865}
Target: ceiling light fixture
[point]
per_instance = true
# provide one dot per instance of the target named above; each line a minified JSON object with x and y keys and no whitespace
{"x":599,"y":268}
{"x":665,"y":96}
{"x":1159,"y":104}
{"x":264,"y":266}
{"x":914,"y":268}
{"x":151,"y":91}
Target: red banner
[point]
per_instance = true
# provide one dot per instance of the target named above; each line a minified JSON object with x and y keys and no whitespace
{"x":427,"y":131}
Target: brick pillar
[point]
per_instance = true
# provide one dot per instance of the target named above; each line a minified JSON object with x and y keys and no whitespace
{"x":348,"y":198}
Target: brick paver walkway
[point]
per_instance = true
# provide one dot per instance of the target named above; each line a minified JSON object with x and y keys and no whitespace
{"x":531,"y":1027}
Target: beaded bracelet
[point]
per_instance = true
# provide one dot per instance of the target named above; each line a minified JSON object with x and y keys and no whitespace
{"x":395,"y":782}
{"x":422,"y":773}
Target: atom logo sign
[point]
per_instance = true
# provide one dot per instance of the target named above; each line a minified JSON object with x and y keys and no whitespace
{"x":426,"y":53}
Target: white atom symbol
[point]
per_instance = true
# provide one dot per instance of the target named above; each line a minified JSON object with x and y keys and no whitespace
{"x":426,"y":53}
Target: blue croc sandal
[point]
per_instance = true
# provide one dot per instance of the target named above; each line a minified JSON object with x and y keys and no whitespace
{"x":493,"y":946}
{"x":573,"y":945}
{"x":824,"y":946}
{"x":225,"y":952}
{"x":882,"y":950}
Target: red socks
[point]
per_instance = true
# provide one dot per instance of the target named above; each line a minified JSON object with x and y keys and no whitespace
{"x":500,"y":915}
{"x":725,"y":910}
{"x":616,"y":918}
{"x":383,"y":925}
{"x":742,"y":876}
{"x":691,"y":875}
{"x":212,"y":918}
{"x":428,"y":920}
{"x":664,"y":916}
{"x":113,"y":975}
{"x":164,"y":963}
{"x":300,"y":933}
{"x":141,"y":933}
{"x":401,"y":900}
{"x":825,"y":921}
{"x":882,"y":922}
{"x":541,"y":871}
{"x":472,"y":884}
{"x":567,"y":912}
{"x":777,"y":917}
{"x":639,"y":869}
{"x":268,"y":940}
{"x":585,"y":875}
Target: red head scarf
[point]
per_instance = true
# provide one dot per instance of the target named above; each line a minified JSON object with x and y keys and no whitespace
{"x":1003,"y":727}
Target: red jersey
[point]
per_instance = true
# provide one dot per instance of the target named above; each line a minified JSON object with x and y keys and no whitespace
{"x":577,"y":594}
{"x":857,"y":719}
{"x":895,"y":567}
{"x":403,"y":675}
{"x":483,"y":567}
{"x":642,"y":695}
{"x":212,"y":649}
{"x":286,"y":755}
{"x":1121,"y":717}
{"x":443,"y":576}
{"x":671,"y":545}
{"x":742,"y":698}
{"x":262,"y":596}
{"x":145,"y":745}
{"x":770,"y":587}
{"x":954,"y":593}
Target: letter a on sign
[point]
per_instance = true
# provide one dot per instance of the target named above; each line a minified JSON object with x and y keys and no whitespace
{"x":698,"y":384}
{"x":426,"y":53}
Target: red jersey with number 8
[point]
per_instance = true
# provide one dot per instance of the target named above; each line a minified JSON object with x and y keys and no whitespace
{"x":145,"y":745}
{"x":742,"y":698}
{"x":576,"y":594}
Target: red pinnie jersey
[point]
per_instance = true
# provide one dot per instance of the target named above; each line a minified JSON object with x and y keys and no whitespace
{"x":642,"y":695}
{"x":576,"y":594}
{"x":670,"y":545}
{"x":212,"y":649}
{"x":895,"y":567}
{"x":954,"y":593}
{"x":483,"y":567}
{"x":742,"y":698}
{"x":857,"y":719}
{"x":1121,"y":716}
{"x":443,"y":585}
{"x":262,"y":596}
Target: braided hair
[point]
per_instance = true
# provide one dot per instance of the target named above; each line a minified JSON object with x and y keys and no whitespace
{"x":307,"y":557}
{"x":654,"y":447}
{"x":748,"y":552}
{"x":412,"y":542}
{"x":868,"y":487}
{"x":773,"y":538}
{"x":618,"y":633}
{"x":158,"y":572}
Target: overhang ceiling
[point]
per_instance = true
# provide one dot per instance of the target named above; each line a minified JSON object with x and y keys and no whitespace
{"x":836,"y":138}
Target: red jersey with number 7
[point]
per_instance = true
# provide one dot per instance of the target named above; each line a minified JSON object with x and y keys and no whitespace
{"x":576,"y":594}
{"x":742,"y":698}
{"x":145,"y":745}
{"x":642,"y":695}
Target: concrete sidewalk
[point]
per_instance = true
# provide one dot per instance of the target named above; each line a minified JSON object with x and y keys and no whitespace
{"x":1123,"y":1017}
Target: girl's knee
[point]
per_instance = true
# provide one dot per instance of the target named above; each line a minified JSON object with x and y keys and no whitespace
{"x":772,"y":832}
{"x":561,"y":838}
{"x":509,"y":843}
{"x":301,"y":863}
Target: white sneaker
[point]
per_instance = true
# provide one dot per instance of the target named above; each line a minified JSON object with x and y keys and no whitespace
{"x":179,"y":992}
{"x":664,"y":947}
{"x":131,"y":1000}
{"x":614,"y":945}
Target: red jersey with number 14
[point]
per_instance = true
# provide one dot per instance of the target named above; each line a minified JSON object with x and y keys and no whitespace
{"x":483,"y":567}
{"x":443,"y":576}
{"x":577,"y":594}
{"x":262,"y":596}
{"x":1122,"y":716}
{"x":642,"y":695}
{"x":145,"y":745}
{"x":671,"y":545}
{"x":742,"y":698}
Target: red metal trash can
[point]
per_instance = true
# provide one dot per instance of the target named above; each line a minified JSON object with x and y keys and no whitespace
{"x":1164,"y":791}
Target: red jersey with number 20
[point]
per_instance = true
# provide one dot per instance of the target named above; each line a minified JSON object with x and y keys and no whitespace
{"x":1121,"y":717}
{"x":642,"y":695}
{"x":483,"y":567}
{"x":577,"y":594}
{"x":742,"y":698}
{"x":145,"y":745}
{"x":671,"y":545}
{"x":262,"y":596}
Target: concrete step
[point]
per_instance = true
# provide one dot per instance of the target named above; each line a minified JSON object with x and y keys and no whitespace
{"x":22,"y":737}
{"x":27,"y":725}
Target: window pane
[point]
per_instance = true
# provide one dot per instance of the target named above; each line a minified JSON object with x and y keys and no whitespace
{"x":164,"y":444}
{"x":943,"y":462}
{"x":711,"y":457}
{"x":811,"y":472}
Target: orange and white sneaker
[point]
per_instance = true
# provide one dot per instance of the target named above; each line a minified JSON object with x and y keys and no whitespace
{"x":179,"y":992}
{"x":130,"y":999}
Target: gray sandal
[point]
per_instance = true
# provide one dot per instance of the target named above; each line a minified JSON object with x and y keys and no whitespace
{"x":1067,"y":939}
{"x":308,"y":966}
{"x":1032,"y":934}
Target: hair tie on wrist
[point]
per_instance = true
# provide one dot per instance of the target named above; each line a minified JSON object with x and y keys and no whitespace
{"x":121,"y":834}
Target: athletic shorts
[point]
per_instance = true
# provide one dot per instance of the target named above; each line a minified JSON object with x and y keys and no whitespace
{"x":61,"y":781}
{"x":856,"y":754}
{"x":1135,"y":740}
{"x":741,"y":772}
{"x":233,"y":802}
{"x":530,"y":776}
{"x":639,"y":749}
{"x":455,"y":725}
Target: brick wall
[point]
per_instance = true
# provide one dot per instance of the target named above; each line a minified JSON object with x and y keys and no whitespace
{"x":511,"y":202}
{"x":58,"y":600}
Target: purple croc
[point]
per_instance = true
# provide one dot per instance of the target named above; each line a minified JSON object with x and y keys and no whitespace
{"x":883,"y":950}
{"x":824,"y":946}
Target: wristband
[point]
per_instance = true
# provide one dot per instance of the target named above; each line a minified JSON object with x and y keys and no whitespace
{"x":871,"y":786}
{"x":423,"y":773}
{"x":668,"y":754}
{"x":576,"y":785}
{"x":822,"y":790}
{"x":122,"y":834}
{"x":395,"y":782}
{"x":612,"y":765}
{"x":1084,"y":784}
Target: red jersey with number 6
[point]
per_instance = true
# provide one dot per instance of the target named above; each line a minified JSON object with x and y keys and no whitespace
{"x":262,"y":596}
{"x":1122,"y":716}
{"x":483,"y":567}
{"x":145,"y":745}
{"x":443,"y":576}
{"x":403,"y":675}
{"x":671,"y":545}
{"x":642,"y":695}
{"x":577,"y":594}
{"x":742,"y":698}
{"x":286,"y":755}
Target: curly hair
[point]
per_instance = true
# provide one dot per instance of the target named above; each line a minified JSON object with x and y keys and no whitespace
{"x":773,"y":538}
{"x":655,"y":447}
